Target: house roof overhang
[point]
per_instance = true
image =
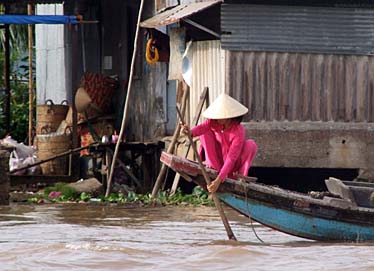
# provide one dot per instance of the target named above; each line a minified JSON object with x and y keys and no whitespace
{"x":177,"y":14}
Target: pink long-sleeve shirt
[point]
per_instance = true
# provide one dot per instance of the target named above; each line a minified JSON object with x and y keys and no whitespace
{"x":231,"y":141}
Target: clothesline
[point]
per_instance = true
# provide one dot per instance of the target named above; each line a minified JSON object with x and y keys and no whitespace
{"x":40,"y":19}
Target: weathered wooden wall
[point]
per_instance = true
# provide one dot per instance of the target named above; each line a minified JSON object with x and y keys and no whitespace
{"x":306,"y":110}
{"x":147,"y":114}
{"x":295,"y":86}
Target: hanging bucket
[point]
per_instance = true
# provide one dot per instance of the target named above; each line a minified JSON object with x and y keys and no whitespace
{"x":50,"y":115}
{"x":50,"y":145}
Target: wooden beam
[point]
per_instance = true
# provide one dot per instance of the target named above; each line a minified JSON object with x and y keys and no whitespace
{"x":204,"y":97}
{"x":7,"y":75}
{"x":170,"y":149}
{"x":30,"y":11}
{"x":201,"y":27}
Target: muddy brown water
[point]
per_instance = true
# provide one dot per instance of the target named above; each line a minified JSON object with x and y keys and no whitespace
{"x":114,"y":237}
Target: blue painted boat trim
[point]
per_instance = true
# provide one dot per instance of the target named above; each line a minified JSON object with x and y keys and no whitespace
{"x":298,"y":224}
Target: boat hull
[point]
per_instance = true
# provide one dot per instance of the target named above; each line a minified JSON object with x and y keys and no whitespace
{"x":324,"y":219}
{"x":298,"y":224}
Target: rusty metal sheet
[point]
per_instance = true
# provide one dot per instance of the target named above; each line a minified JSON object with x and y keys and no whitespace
{"x":177,"y":13}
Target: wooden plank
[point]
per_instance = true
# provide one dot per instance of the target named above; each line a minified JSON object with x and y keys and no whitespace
{"x":295,"y":88}
{"x":271,"y":86}
{"x":204,"y":97}
{"x":250,"y":63}
{"x":328,"y":89}
{"x":283,"y":86}
{"x":316,"y":88}
{"x":338,"y":188}
{"x":305,"y":87}
{"x":350,"y":88}
{"x":370,"y":95}
{"x":43,"y":179}
{"x":229,"y":82}
{"x":340,"y":88}
{"x":239,"y":67}
{"x":362,"y":89}
{"x":255,"y":93}
{"x":262,"y":89}
{"x":170,"y":149}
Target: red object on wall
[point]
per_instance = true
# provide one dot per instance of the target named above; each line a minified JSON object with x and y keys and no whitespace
{"x":100,"y":88}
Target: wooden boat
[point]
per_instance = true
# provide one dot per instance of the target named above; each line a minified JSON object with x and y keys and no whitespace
{"x":336,"y":217}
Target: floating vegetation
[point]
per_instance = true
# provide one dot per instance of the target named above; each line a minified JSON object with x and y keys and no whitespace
{"x":60,"y":193}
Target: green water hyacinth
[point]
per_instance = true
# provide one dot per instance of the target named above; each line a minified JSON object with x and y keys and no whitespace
{"x":60,"y":193}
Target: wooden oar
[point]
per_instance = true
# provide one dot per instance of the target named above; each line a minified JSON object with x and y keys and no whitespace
{"x":229,"y":232}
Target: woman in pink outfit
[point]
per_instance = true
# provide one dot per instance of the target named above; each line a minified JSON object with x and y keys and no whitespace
{"x":222,"y":138}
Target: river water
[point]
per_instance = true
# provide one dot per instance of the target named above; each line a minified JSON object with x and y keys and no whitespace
{"x":116,"y":237}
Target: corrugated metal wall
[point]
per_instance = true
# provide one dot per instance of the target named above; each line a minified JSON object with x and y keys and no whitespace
{"x":52,"y":75}
{"x":208,"y":71}
{"x":297,"y":29}
{"x":295,"y":86}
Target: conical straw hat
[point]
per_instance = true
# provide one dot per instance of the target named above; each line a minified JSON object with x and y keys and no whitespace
{"x":225,"y":107}
{"x":82,"y":100}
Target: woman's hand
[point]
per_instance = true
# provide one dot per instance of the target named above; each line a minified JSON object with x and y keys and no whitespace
{"x":212,"y":188}
{"x":184,"y":127}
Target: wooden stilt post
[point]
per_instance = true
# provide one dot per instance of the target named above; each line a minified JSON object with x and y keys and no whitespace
{"x":170,"y":149}
{"x":7,"y":74}
{"x":204,"y":97}
{"x":4,"y":177}
{"x":30,"y":11}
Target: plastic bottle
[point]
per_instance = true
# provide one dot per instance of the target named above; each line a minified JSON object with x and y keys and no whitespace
{"x":114,"y":138}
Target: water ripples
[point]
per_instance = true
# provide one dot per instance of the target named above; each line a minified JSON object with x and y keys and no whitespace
{"x":111,"y":237}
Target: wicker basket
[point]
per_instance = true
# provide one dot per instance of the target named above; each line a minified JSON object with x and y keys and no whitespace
{"x":50,"y":115}
{"x":50,"y":145}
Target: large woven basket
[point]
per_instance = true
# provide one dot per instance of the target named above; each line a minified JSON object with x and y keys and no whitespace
{"x":50,"y":115}
{"x":50,"y":145}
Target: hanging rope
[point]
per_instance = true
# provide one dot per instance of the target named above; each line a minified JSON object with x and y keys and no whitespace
{"x":249,"y":214}
{"x":151,"y":52}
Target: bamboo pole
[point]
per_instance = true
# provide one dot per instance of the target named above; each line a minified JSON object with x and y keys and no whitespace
{"x":30,"y":11}
{"x":161,"y":174}
{"x":7,"y":75}
{"x":120,"y":136}
{"x":229,"y":232}
{"x":69,"y":152}
{"x":204,"y":97}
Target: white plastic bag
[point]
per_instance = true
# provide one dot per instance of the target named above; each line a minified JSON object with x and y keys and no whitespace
{"x":9,"y":142}
{"x":15,"y":162}
{"x":24,"y":151}
{"x":35,"y":170}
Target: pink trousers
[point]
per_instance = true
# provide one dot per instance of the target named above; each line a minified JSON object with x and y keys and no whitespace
{"x":212,"y":153}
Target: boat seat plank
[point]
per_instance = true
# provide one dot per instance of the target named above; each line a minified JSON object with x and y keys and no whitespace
{"x":359,"y":192}
{"x":338,"y":188}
